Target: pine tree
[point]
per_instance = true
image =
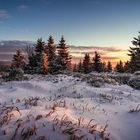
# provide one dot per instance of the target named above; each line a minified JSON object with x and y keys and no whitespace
{"x":80,"y":66}
{"x":133,"y":60}
{"x":44,"y":63}
{"x":75,"y":68}
{"x":97,"y":64}
{"x":4,"y":68}
{"x":119,"y":67}
{"x":127,"y":67}
{"x":103,"y":67}
{"x":51,"y":51}
{"x":109,"y":67}
{"x":86,"y":64}
{"x":16,"y":71}
{"x":134,"y":54}
{"x":32,"y":63}
{"x":18,"y":60}
{"x":64,"y":59}
{"x":39,"y":48}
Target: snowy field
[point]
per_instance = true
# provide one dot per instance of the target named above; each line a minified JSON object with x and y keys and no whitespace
{"x":66,"y":108}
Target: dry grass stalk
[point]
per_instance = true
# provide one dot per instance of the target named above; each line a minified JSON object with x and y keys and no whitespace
{"x":137,"y":109}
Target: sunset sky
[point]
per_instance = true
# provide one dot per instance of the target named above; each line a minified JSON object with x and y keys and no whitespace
{"x":99,"y":24}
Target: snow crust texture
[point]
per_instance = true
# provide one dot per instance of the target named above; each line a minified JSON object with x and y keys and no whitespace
{"x":65,"y":107}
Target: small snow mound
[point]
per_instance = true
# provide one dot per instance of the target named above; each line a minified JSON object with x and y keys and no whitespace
{"x":137,"y":73}
{"x":135,"y":80}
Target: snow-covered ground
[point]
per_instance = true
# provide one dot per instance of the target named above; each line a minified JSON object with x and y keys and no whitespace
{"x":64,"y":108}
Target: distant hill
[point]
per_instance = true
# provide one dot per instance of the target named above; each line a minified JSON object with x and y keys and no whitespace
{"x":8,"y":48}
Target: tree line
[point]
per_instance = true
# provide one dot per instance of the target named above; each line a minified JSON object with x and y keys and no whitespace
{"x":97,"y":65}
{"x":47,"y":58}
{"x":44,"y":58}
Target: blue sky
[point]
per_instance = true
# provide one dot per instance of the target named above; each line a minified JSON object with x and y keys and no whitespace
{"x":82,"y":22}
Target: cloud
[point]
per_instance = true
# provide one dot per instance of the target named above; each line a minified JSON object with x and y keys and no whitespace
{"x":95,"y":48}
{"x":4,"y":14}
{"x":22,"y":7}
{"x":112,"y":54}
{"x":84,"y":52}
{"x":106,"y":58}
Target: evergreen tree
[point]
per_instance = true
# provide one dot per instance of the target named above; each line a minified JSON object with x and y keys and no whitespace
{"x":16,"y":71}
{"x":18,"y":60}
{"x":51,"y":51}
{"x":109,"y":67}
{"x":44,"y":63}
{"x":64,"y":59}
{"x":4,"y":68}
{"x":39,"y":48}
{"x":119,"y":67}
{"x":97,"y":65}
{"x":133,"y":60}
{"x":103,"y":67}
{"x":35,"y":56}
{"x":32,"y":63}
{"x":127,"y":67}
{"x":75,"y":68}
{"x":134,"y":54}
{"x":86,"y":64}
{"x":80,"y":67}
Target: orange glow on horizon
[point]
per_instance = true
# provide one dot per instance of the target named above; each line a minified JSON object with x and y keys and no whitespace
{"x":113,"y":56}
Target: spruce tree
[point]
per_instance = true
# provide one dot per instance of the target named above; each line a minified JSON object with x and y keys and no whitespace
{"x":127,"y":67}
{"x":16,"y":71}
{"x":39,"y":48}
{"x":75,"y":68}
{"x":109,"y":67}
{"x":133,"y":60}
{"x":32,"y":63}
{"x":18,"y":60}
{"x":44,"y":63}
{"x":64,"y":59}
{"x":86,"y":64}
{"x":51,"y":51}
{"x":134,"y":54}
{"x":103,"y":67}
{"x":97,"y":64}
{"x":80,"y":66}
{"x":119,"y":67}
